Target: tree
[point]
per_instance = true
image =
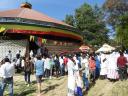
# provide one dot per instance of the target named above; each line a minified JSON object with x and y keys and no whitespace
{"x":69,"y":19}
{"x":114,"y":9}
{"x":122,"y":32}
{"x":90,"y":22}
{"x":116,"y":13}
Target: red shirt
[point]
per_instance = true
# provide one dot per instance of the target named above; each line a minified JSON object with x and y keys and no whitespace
{"x":121,"y":61}
{"x":92,"y":64}
{"x":65,"y":61}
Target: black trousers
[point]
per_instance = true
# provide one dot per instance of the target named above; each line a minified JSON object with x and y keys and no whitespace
{"x":122,"y":73}
{"x":47,"y":72}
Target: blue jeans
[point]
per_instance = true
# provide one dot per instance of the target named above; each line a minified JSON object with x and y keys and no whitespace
{"x":85,"y":80}
{"x":4,"y":82}
{"x":62,"y":70}
{"x":97,"y":74}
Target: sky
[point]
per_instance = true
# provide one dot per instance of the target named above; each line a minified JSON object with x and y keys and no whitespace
{"x":54,"y":8}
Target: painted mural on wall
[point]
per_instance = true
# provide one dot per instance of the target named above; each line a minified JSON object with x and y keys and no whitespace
{"x":14,"y":46}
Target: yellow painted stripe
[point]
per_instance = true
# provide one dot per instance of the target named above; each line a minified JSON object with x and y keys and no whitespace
{"x":36,"y":28}
{"x":2,"y":29}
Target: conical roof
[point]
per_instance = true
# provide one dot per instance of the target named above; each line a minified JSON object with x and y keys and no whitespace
{"x":27,"y":21}
{"x":30,"y":14}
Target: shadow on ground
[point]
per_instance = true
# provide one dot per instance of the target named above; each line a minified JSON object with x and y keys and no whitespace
{"x":52,"y":87}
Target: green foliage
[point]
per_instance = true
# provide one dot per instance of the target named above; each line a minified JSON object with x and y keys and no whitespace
{"x":114,"y":9}
{"x":69,"y":19}
{"x":90,"y":22}
{"x":122,"y":31}
{"x":116,"y":12}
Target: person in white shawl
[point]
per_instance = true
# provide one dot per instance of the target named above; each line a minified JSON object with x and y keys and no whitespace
{"x":112,"y":72}
{"x":71,"y":78}
{"x":104,"y":63}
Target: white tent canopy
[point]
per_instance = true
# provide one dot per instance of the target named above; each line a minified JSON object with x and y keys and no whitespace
{"x":105,"y":48}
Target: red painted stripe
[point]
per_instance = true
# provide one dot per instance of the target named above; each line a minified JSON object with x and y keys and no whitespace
{"x":31,"y":32}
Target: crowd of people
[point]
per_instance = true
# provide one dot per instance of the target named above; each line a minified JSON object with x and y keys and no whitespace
{"x":82,"y":69}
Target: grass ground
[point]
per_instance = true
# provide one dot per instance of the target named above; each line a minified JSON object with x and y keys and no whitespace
{"x":58,"y":87}
{"x":50,"y":87}
{"x":107,"y":88}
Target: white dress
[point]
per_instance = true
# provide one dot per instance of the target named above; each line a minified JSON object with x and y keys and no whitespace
{"x":47,"y":64}
{"x":71,"y":78}
{"x":104,"y":64}
{"x":112,"y":72}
